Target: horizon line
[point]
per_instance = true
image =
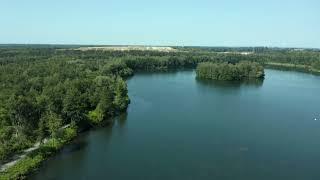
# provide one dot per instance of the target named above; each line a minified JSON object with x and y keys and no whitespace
{"x":213,"y":46}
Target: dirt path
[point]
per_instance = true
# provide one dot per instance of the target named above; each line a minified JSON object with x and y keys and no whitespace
{"x":19,"y":157}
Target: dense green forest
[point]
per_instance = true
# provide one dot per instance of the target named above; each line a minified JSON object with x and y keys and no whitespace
{"x":41,"y":94}
{"x":44,"y":88}
{"x":230,"y":72}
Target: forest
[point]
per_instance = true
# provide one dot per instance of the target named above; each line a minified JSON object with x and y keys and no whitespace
{"x":44,"y":88}
{"x":230,"y":72}
{"x":40,"y":94}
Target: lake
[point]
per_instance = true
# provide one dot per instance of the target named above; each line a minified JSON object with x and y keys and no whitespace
{"x":178,"y":127}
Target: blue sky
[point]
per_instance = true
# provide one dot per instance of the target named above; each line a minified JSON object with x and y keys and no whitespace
{"x":281,"y":23}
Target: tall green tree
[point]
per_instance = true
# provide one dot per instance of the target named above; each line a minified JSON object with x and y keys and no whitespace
{"x":121,"y":99}
{"x":54,"y":123}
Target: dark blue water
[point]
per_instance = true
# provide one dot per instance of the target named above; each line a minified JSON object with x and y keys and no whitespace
{"x":178,"y":127}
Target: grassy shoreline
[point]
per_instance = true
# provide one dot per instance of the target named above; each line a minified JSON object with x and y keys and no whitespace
{"x":32,"y":161}
{"x":30,"y":164}
{"x":293,"y":67}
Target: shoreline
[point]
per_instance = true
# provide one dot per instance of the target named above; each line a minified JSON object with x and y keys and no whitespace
{"x":32,"y":158}
{"x":20,"y":156}
{"x":292,"y":67}
{"x":39,"y":153}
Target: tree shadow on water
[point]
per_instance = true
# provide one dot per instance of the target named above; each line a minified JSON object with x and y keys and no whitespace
{"x":122,"y":119}
{"x":218,"y":84}
{"x":77,"y":145}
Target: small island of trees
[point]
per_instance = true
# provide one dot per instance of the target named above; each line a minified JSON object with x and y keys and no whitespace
{"x":230,"y":72}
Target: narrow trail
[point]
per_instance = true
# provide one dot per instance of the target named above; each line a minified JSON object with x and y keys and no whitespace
{"x":19,"y":157}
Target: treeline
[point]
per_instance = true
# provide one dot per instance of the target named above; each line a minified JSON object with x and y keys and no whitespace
{"x":186,"y":57}
{"x":230,"y":72}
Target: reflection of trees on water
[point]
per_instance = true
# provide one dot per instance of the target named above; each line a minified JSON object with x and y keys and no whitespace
{"x":230,"y":84}
{"x":121,"y":122}
{"x":173,"y":71}
{"x":122,"y":119}
{"x":77,"y":144}
{"x":118,"y":121}
{"x":253,"y":82}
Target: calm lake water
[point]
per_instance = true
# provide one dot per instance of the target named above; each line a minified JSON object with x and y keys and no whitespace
{"x":178,"y":127}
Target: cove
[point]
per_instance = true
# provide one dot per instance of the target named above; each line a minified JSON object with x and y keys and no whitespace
{"x":178,"y":127}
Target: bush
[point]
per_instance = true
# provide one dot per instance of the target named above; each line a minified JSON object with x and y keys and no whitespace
{"x":96,"y":116}
{"x":69,"y":133}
